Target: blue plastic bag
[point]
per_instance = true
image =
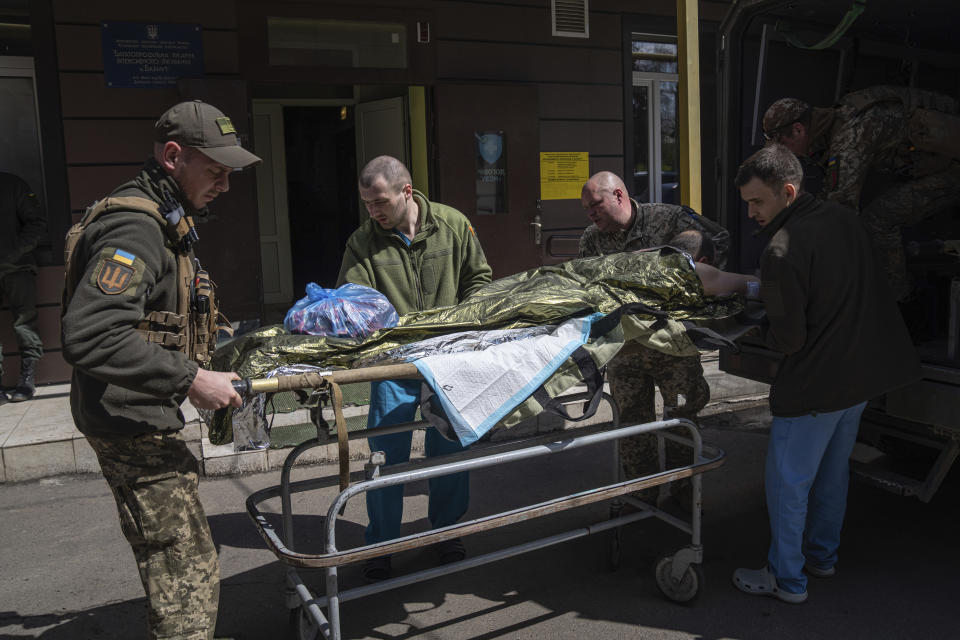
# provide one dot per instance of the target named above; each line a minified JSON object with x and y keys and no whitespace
{"x":351,"y":310}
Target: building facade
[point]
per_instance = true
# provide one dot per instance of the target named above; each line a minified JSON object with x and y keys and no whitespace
{"x":470,"y":93}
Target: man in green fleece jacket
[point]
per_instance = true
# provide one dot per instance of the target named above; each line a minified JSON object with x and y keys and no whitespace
{"x":129,"y":378}
{"x":421,"y":255}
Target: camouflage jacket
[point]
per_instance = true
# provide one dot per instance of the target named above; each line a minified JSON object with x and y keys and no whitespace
{"x":654,"y":225}
{"x":870,"y":133}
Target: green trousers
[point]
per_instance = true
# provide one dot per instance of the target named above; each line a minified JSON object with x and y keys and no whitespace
{"x":18,"y":293}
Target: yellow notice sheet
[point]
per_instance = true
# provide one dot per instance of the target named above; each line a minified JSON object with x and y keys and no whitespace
{"x":562,"y":174}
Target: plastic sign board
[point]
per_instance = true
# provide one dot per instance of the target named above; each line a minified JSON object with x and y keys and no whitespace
{"x":150,"y":55}
{"x":562,"y":174}
{"x":491,"y":163}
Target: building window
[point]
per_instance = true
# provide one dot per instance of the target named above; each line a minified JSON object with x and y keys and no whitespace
{"x":305,"y":42}
{"x":656,"y":144}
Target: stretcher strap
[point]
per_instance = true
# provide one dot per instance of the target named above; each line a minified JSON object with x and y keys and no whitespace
{"x":343,"y":444}
{"x":605,"y":325}
{"x":706,"y":338}
{"x":592,"y":376}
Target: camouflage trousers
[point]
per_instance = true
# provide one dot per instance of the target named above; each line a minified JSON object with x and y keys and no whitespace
{"x":906,"y":203}
{"x":632,"y":377}
{"x":154,"y":480}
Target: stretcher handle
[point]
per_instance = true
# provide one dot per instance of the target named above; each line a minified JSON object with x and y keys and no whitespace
{"x":317,"y":379}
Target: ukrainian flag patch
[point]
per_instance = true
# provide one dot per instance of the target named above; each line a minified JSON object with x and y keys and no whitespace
{"x":124,"y":257}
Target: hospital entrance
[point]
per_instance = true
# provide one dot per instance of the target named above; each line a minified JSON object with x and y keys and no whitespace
{"x":307,"y":185}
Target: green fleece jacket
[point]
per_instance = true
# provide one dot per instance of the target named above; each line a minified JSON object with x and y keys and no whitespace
{"x":122,"y":385}
{"x":442,"y":265}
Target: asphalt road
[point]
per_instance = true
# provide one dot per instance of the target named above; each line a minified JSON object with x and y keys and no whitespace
{"x":68,"y":574}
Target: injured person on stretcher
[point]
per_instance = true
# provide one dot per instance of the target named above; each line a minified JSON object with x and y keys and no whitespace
{"x":504,"y":353}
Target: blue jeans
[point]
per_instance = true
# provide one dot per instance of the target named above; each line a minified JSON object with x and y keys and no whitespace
{"x":807,"y":475}
{"x":393,"y":402}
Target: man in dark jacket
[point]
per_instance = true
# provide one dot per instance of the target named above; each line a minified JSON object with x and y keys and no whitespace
{"x":831,"y":316}
{"x":21,"y":225}
{"x":121,"y":331}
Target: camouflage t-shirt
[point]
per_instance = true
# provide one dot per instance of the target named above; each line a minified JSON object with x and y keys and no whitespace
{"x":654,"y":225}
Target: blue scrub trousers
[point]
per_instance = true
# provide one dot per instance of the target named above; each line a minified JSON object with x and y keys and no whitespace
{"x":807,"y":475}
{"x":393,"y":402}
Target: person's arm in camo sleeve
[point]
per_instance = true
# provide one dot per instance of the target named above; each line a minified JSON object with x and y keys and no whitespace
{"x":853,"y":148}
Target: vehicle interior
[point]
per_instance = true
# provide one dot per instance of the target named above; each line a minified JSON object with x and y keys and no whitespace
{"x":818,"y":51}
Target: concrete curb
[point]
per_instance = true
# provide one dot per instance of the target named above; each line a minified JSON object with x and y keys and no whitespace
{"x":38,"y":438}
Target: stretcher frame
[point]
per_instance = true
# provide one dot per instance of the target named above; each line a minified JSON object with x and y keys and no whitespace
{"x":678,"y":576}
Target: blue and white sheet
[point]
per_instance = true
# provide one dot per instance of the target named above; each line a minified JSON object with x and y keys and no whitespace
{"x":477,"y":389}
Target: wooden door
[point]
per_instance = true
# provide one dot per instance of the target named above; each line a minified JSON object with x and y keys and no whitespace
{"x":276,"y":268}
{"x":509,"y":239}
{"x":381,"y":131}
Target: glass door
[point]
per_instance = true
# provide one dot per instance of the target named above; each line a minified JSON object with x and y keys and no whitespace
{"x":656,"y":147}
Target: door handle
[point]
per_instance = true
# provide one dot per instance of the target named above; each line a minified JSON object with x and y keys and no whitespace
{"x":537,"y":235}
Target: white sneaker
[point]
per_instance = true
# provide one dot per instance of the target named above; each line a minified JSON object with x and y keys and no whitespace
{"x":760,"y":582}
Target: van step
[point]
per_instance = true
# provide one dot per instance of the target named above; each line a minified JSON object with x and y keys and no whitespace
{"x":885,"y":479}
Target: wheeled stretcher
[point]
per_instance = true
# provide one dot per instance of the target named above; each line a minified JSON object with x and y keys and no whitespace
{"x":678,"y":576}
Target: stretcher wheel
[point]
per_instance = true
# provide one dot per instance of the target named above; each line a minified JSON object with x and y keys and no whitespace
{"x":303,"y":625}
{"x":686,"y":589}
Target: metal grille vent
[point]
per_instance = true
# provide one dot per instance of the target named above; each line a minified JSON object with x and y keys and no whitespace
{"x":571,"y":18}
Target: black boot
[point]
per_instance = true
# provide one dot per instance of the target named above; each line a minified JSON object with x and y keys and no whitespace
{"x":4,"y":398}
{"x":25,"y":387}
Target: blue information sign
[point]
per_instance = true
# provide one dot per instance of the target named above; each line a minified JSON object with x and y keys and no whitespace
{"x":150,"y":55}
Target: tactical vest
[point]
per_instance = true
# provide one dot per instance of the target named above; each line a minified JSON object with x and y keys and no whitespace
{"x":192,"y":328}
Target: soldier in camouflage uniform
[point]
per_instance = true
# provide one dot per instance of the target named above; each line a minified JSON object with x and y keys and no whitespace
{"x":906,"y":136}
{"x":621,"y":224}
{"x":21,"y":225}
{"x":128,"y":385}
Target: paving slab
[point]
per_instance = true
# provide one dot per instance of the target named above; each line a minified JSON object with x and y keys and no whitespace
{"x":8,"y":423}
{"x":38,"y":460}
{"x":28,"y":432}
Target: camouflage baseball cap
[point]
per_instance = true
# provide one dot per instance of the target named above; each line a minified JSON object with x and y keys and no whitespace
{"x":782,"y":113}
{"x":202,"y":126}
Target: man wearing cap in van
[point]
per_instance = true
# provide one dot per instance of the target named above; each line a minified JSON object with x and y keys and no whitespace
{"x":910,"y":137}
{"x":125,"y":331}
